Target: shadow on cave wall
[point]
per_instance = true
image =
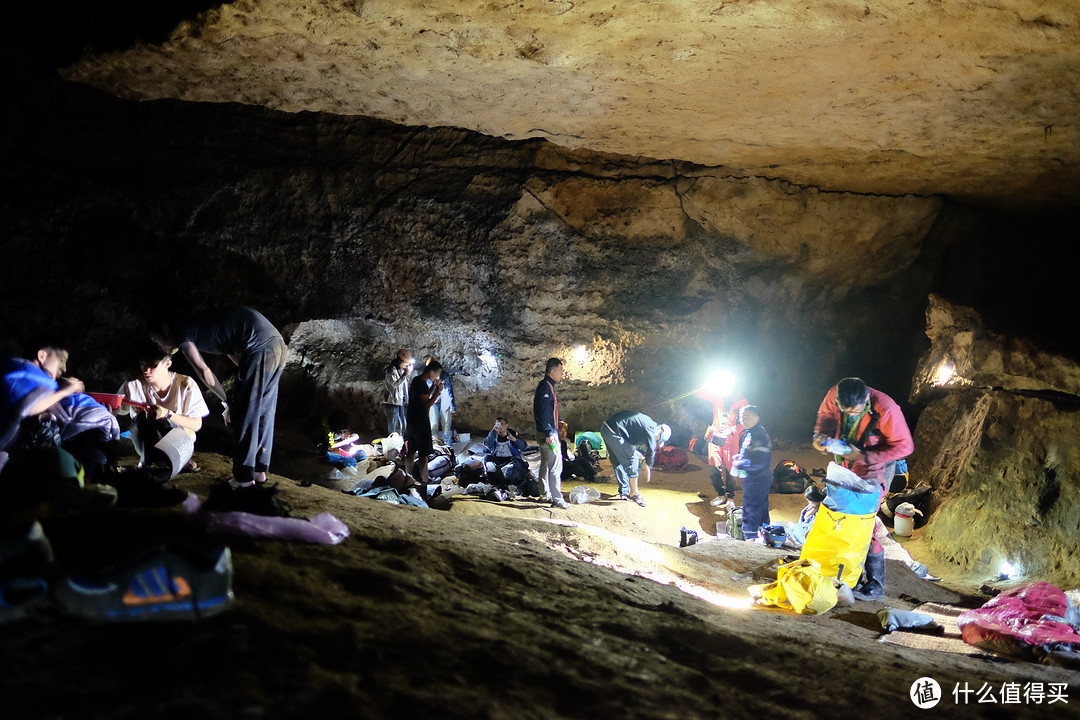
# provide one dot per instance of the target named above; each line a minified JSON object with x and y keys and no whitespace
{"x":119,"y":209}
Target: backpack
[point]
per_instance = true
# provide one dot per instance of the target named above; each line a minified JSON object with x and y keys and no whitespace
{"x":516,"y":471}
{"x":671,"y":458}
{"x":470,"y":471}
{"x":789,"y":478}
{"x":529,"y":487}
{"x":595,"y":442}
{"x":734,"y":524}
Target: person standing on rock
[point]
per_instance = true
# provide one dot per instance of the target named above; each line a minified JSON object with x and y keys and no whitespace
{"x":442,"y":412}
{"x":424,"y":391}
{"x":865,"y":431}
{"x":754,"y":462}
{"x":546,"y":416}
{"x":258,"y":350}
{"x":623,"y":432}
{"x":397,"y":391}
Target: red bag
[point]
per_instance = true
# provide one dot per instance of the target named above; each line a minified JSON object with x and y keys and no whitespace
{"x":671,"y":458}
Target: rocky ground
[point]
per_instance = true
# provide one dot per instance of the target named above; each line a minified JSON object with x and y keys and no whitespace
{"x":496,"y":610}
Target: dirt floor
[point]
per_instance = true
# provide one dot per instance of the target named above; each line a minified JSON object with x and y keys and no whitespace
{"x":498,"y":610}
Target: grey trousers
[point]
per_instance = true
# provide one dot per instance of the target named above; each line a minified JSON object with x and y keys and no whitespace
{"x":253,"y":408}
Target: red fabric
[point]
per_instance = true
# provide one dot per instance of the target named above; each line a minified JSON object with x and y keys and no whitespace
{"x":892,"y":441}
{"x":671,"y":458}
{"x":1016,"y":617}
{"x":721,"y":455}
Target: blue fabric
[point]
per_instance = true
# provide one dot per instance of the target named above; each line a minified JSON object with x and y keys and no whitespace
{"x":237,"y":331}
{"x":515,"y":447}
{"x":395,"y":419}
{"x":633,"y":428}
{"x":623,"y":458}
{"x":851,"y":502}
{"x":755,"y":445}
{"x":254,"y":408}
{"x":21,"y":377}
{"x":755,"y":504}
{"x":544,"y":407}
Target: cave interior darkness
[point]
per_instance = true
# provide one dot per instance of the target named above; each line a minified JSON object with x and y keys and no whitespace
{"x":1008,"y":265}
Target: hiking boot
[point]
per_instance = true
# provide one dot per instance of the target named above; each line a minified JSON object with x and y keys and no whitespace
{"x":718,"y":501}
{"x":560,"y":504}
{"x":872,"y":583}
{"x":165,"y":584}
{"x":638,"y":499}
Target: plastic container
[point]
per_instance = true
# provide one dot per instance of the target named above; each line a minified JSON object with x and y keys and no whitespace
{"x":904,"y":519}
{"x":903,"y":524}
{"x":109,"y":400}
{"x":837,"y":446}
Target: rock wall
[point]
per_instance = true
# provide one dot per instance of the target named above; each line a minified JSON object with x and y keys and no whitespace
{"x":998,"y":444}
{"x":359,"y":236}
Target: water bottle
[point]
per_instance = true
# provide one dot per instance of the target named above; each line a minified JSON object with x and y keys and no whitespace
{"x":837,"y":446}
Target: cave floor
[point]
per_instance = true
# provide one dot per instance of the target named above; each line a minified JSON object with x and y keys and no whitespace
{"x":498,"y":610}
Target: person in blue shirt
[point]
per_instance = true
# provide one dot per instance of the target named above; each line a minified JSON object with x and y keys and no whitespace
{"x":623,"y":432}
{"x":546,"y":416}
{"x":754,"y":463}
{"x":40,"y":407}
{"x":503,"y":443}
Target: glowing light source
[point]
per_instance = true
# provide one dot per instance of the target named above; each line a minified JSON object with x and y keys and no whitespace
{"x":1006,"y":571}
{"x":943,"y":374}
{"x":580,"y":354}
{"x":721,"y":383}
{"x":489,"y":360}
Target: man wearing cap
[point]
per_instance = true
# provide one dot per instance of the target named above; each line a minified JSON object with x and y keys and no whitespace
{"x":876,"y":435}
{"x":623,"y":433}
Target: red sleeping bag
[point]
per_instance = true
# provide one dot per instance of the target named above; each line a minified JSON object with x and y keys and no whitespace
{"x":671,"y":458}
{"x":1027,"y":623}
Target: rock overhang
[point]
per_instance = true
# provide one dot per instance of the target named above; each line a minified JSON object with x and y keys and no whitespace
{"x":895,"y":97}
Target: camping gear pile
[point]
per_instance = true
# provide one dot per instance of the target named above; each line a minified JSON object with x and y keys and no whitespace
{"x":1036,"y":622}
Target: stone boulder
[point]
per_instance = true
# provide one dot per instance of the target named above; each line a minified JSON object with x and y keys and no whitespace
{"x":998,"y":443}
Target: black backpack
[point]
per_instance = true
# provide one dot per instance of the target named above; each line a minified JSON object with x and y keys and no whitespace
{"x":789,"y":478}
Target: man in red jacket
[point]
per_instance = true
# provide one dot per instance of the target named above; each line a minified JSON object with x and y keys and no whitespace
{"x":873,"y":435}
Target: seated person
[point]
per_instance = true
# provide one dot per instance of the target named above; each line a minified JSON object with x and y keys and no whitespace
{"x":574,"y":466}
{"x":39,"y":409}
{"x":341,"y":440}
{"x":167,"y":409}
{"x":503,"y":443}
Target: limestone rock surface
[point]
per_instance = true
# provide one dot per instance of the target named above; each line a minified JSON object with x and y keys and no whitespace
{"x":358,"y":237}
{"x":894,"y":97}
{"x":998,"y":444}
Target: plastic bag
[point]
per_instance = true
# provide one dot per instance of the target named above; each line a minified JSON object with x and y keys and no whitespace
{"x":582,"y":494}
{"x":799,"y":586}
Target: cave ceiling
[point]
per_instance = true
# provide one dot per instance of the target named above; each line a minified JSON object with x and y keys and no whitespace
{"x":972,"y":100}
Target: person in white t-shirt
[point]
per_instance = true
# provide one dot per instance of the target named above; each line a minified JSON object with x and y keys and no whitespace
{"x":167,"y":410}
